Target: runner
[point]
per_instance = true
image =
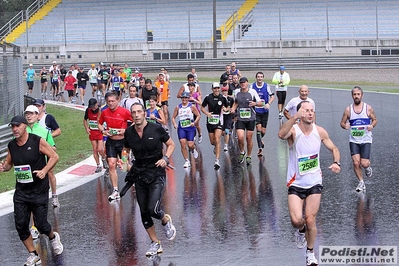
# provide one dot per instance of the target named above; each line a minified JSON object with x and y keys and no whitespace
{"x":226,"y":74}
{"x":69,"y":82}
{"x":116,"y":119}
{"x":147,"y":92}
{"x":43,"y":82}
{"x":163,"y":88}
{"x":290,"y":108}
{"x":184,"y":87}
{"x":55,"y":74}
{"x":214,"y":123}
{"x":104,"y":76}
{"x":186,"y":128}
{"x":245,"y":100}
{"x":360,"y":118}
{"x":281,"y":79}
{"x":128,"y":73}
{"x":93,"y":75}
{"x":128,"y":102}
{"x":195,"y":98}
{"x":82,"y":78}
{"x":234,"y":70}
{"x":262,"y":113}
{"x":154,"y":114}
{"x":115,"y":83}
{"x":31,"y":189}
{"x":227,"y":118}
{"x":30,"y":75}
{"x":90,"y":122}
{"x":304,"y":178}
{"x":48,"y":122}
{"x":146,"y":142}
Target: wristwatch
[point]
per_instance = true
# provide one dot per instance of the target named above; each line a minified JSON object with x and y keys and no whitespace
{"x":338,"y":164}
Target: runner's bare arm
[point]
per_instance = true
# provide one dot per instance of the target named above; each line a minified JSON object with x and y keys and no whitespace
{"x":345,"y":118}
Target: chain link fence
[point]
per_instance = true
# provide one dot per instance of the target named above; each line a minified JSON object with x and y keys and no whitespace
{"x":11,"y":91}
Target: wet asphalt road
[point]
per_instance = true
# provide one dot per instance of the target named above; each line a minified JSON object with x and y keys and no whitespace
{"x":237,"y":215}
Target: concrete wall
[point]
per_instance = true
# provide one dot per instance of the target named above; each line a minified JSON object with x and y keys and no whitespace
{"x":244,"y":49}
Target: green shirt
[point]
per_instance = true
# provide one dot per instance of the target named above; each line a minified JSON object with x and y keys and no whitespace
{"x":41,"y":132}
{"x":128,"y":72}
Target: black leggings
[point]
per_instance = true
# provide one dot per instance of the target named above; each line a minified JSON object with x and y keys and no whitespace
{"x":22,"y":211}
{"x":149,"y":193}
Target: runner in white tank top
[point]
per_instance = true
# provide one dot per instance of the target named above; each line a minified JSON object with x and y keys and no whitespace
{"x":304,"y":174}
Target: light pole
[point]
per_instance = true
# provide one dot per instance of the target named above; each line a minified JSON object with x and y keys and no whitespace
{"x":376,"y":25}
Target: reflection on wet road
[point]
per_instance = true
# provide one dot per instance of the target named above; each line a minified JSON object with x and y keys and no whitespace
{"x":237,"y":215}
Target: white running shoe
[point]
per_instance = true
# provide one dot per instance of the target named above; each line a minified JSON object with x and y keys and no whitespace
{"x":187,"y":164}
{"x":155,"y":248}
{"x":216,"y":165}
{"x":226,"y":147}
{"x":58,"y":248}
{"x":195,"y":154}
{"x":33,"y":231}
{"x":199,"y":139}
{"x":170,"y":230}
{"x":311,"y":258}
{"x":33,"y":260}
{"x":361,"y":186}
{"x":300,"y":239}
{"x":114,"y":196}
{"x":55,"y":201}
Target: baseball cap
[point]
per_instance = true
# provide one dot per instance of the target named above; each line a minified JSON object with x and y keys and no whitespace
{"x":93,"y":65}
{"x":101,"y":63}
{"x":161,"y":74}
{"x":39,"y":102}
{"x":215,"y":85}
{"x":54,"y":62}
{"x":225,"y":88}
{"x":92,"y":102}
{"x":185,"y":95}
{"x":30,"y":65}
{"x":163,"y":69}
{"x":282,"y":67}
{"x":243,"y":79}
{"x":17,"y":120}
{"x":31,"y":108}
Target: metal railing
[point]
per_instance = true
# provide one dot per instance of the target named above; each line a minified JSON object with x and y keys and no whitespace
{"x":21,"y":17}
{"x":5,"y":137}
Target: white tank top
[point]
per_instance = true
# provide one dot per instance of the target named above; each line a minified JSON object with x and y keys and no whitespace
{"x":304,"y":164}
{"x":358,"y":126}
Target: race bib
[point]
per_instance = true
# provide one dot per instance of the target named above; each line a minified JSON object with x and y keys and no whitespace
{"x":105,"y":76}
{"x":357,"y":132}
{"x":44,"y":76}
{"x":245,"y":112}
{"x":147,"y":104}
{"x":113,"y":131}
{"x":185,"y":123}
{"x":214,"y":119}
{"x":308,"y":164}
{"x":23,"y":173}
{"x":116,"y":84}
{"x":93,"y":124}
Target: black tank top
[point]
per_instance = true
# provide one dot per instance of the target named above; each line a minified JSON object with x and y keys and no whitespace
{"x":29,"y":154}
{"x":44,"y":75}
{"x":148,"y":93}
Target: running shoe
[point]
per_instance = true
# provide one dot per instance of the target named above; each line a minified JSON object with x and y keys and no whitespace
{"x":248,"y":160}
{"x":199,"y":139}
{"x":114,"y":196}
{"x":280,"y":115}
{"x":311,"y":258}
{"x":187,"y":164}
{"x":361,"y":186}
{"x":106,"y":173}
{"x":56,"y":244}
{"x":226,"y":147}
{"x":155,"y":248}
{"x":368,"y":171}
{"x":33,"y":260}
{"x":300,"y":239}
{"x":241,"y":157}
{"x":263,"y":145}
{"x":105,"y":164}
{"x":33,"y":231}
{"x":195,"y":154}
{"x":260,"y":152}
{"x":55,"y":201}
{"x":216,"y":165}
{"x":98,"y":169}
{"x":170,"y":230}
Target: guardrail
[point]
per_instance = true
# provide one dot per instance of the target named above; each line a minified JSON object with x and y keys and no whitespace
{"x":5,"y":137}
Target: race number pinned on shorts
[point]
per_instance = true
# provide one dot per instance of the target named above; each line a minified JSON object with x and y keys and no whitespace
{"x":214,"y":119}
{"x":245,"y":112}
{"x":308,"y":164}
{"x":23,"y":173}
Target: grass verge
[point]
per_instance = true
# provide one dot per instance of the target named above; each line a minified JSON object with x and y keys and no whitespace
{"x":73,"y":144}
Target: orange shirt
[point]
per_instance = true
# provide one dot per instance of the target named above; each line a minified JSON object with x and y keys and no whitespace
{"x":123,"y":75}
{"x":164,"y":90}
